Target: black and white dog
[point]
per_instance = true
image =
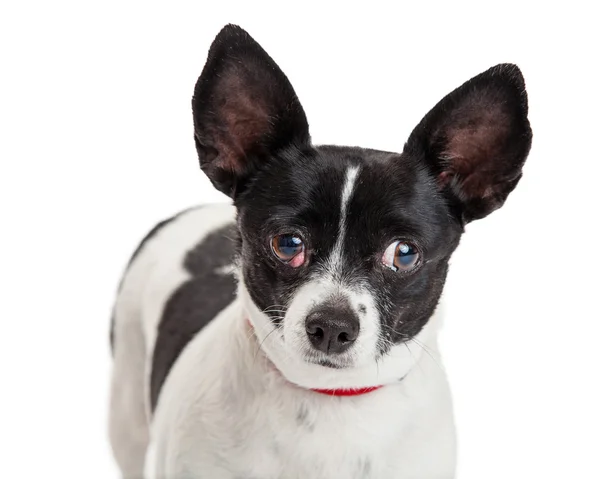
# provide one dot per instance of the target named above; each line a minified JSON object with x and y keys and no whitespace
{"x":293,"y":334}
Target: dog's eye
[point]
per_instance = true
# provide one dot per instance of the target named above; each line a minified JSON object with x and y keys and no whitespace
{"x":401,"y":256}
{"x":289,"y":248}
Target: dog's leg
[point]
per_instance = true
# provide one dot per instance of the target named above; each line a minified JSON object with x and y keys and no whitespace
{"x":128,"y":424}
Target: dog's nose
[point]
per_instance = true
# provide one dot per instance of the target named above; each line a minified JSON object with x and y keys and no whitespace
{"x":330,"y":332}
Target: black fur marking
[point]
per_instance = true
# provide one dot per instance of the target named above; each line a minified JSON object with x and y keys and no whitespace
{"x":303,"y":419}
{"x":112,"y":332}
{"x":195,"y":303}
{"x":151,"y":234}
{"x":301,"y":415}
{"x":364,"y":468}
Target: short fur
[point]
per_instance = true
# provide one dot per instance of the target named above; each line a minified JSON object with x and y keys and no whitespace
{"x":212,"y":384}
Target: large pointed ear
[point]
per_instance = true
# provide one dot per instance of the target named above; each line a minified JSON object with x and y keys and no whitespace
{"x":475,"y":141}
{"x":245,"y":109}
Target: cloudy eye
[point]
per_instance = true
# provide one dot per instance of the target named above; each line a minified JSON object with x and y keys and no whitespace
{"x":289,"y":248}
{"x":401,"y":256}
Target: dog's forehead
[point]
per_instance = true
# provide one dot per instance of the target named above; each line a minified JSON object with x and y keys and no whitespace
{"x":313,"y":190}
{"x":388,"y":177}
{"x":377,"y":195}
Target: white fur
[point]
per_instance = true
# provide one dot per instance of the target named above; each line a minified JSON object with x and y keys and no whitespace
{"x":336,"y":256}
{"x":231,"y":406}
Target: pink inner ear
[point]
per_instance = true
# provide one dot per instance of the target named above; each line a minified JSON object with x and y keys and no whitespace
{"x":444,"y":178}
{"x":245,"y":121}
{"x":473,"y":151}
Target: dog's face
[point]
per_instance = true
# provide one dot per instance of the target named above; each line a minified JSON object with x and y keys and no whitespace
{"x":344,"y":251}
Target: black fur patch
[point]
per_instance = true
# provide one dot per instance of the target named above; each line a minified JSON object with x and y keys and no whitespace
{"x":151,"y":234}
{"x":195,"y":303}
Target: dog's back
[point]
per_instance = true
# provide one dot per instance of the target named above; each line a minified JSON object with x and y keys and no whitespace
{"x":178,"y":279}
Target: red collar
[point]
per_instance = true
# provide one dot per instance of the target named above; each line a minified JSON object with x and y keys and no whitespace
{"x":340,"y":392}
{"x":347,"y":392}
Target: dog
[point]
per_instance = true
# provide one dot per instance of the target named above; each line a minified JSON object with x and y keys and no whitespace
{"x":293,"y":332}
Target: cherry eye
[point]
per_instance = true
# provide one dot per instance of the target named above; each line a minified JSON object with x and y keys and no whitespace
{"x":401,"y":256}
{"x":289,"y":248}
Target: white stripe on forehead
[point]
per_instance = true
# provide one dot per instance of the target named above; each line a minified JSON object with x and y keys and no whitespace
{"x":336,"y":254}
{"x":327,"y":282}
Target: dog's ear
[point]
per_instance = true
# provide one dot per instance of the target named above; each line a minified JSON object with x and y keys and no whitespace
{"x":475,"y":141}
{"x":245,"y":109}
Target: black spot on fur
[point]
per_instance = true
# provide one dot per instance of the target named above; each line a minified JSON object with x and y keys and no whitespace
{"x":302,"y":418}
{"x":364,"y":468}
{"x":195,"y":303}
{"x":112,"y":332}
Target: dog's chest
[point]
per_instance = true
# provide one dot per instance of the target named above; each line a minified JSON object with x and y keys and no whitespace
{"x":225,"y":414}
{"x":317,"y":437}
{"x":338,"y":440}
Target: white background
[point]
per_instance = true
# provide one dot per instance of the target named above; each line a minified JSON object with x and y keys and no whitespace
{"x":96,"y":146}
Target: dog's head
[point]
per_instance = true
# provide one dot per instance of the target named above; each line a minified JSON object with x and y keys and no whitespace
{"x":344,"y":251}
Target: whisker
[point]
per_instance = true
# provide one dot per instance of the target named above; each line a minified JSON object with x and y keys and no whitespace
{"x":424,"y":347}
{"x":417,"y":363}
{"x":261,"y":343}
{"x":426,"y":350}
{"x":277,"y":306}
{"x":251,"y":333}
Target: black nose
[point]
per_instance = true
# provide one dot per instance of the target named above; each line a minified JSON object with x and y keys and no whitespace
{"x":332,"y":331}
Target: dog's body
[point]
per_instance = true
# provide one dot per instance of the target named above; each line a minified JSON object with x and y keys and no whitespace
{"x":225,"y":412}
{"x":325,"y":363}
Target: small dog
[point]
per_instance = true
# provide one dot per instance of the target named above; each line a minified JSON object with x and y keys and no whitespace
{"x":293,"y":333}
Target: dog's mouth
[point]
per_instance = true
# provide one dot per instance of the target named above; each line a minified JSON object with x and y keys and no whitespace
{"x":329,"y":362}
